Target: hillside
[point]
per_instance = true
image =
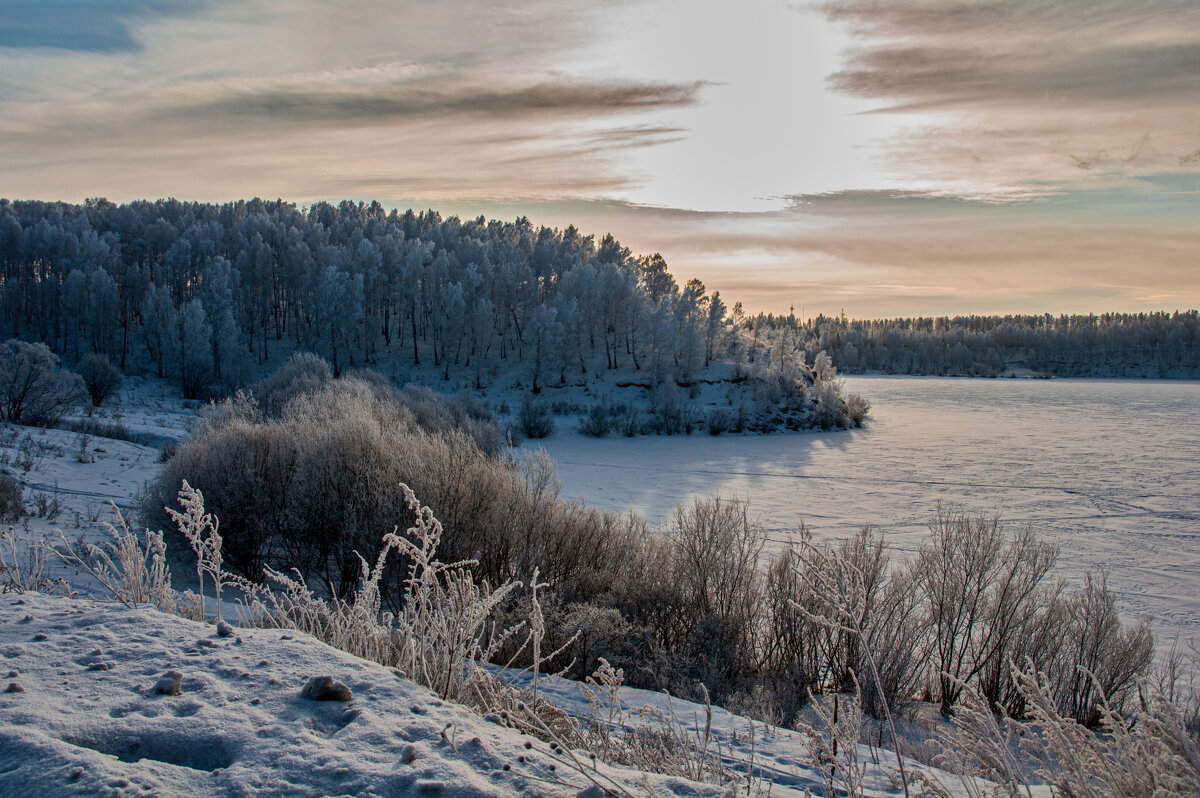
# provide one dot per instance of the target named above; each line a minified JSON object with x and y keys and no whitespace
{"x":88,"y":720}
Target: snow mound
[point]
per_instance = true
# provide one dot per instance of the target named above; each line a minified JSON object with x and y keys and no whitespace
{"x":240,"y":723}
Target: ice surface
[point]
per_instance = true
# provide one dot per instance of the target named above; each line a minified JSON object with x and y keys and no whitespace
{"x":1107,"y":469}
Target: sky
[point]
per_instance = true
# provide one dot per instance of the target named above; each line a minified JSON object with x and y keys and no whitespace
{"x":877,"y":157}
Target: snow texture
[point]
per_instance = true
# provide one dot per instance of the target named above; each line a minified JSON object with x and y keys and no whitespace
{"x":241,"y":724}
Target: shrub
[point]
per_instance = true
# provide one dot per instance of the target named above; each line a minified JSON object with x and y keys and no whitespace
{"x":827,"y":405}
{"x":101,"y":378}
{"x":857,"y":409}
{"x":303,"y":373}
{"x":563,"y":407}
{"x":310,"y":488}
{"x":1148,"y":751}
{"x":12,"y":507}
{"x":214,"y":415}
{"x":629,"y":422}
{"x":132,"y":573}
{"x":440,"y":414}
{"x":715,"y":550}
{"x":1100,"y":660}
{"x":33,"y":390}
{"x":717,"y":421}
{"x":23,"y":568}
{"x":978,"y":583}
{"x":293,"y":482}
{"x":534,"y":419}
{"x":596,"y":423}
{"x":741,"y":419}
{"x":100,"y":428}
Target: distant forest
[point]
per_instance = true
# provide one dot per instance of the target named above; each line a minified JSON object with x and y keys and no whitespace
{"x":210,"y":294}
{"x":1154,"y":345}
{"x":214,"y":296}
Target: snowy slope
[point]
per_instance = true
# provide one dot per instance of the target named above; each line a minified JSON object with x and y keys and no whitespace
{"x":241,"y":725}
{"x":87,"y":720}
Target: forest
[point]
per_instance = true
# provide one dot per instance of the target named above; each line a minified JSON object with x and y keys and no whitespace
{"x":144,"y":283}
{"x":214,"y":296}
{"x":1149,"y":345}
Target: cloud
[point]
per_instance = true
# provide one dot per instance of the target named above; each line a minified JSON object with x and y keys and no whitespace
{"x":923,"y":78}
{"x":443,"y":95}
{"x":888,"y":253}
{"x":464,"y":99}
{"x":1023,"y":91}
{"x":97,"y":26}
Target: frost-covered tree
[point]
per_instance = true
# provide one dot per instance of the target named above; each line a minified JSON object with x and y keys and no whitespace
{"x":195,"y":348}
{"x":159,"y":328}
{"x":104,"y":303}
{"x":33,"y":390}
{"x":545,"y":334}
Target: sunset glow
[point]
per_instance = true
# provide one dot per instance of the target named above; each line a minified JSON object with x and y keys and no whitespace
{"x":898,"y":158}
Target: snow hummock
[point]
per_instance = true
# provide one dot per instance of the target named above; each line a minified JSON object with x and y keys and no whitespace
{"x":242,"y":724}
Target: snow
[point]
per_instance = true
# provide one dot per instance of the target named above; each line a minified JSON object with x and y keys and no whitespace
{"x":83,"y":476}
{"x":93,"y":711}
{"x":242,"y":725}
{"x":1107,"y":469}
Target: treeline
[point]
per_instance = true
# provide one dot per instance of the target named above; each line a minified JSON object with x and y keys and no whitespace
{"x":1155,"y":345}
{"x":305,"y":474}
{"x":205,"y":294}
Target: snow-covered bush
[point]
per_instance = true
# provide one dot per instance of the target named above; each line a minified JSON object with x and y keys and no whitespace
{"x":241,"y":406}
{"x":1100,"y":662}
{"x":715,"y":549}
{"x":12,"y":505}
{"x":534,"y":419}
{"x":101,"y":378}
{"x":857,"y":409}
{"x":837,"y":620}
{"x":440,"y":414}
{"x":437,"y":638}
{"x":33,"y":389}
{"x":1146,"y":750}
{"x":598,"y":421}
{"x":718,"y":421}
{"x":23,"y":566}
{"x":980,"y":586}
{"x":303,"y":373}
{"x":833,"y":744}
{"x":826,"y":404}
{"x":134,"y":571}
{"x":310,"y":488}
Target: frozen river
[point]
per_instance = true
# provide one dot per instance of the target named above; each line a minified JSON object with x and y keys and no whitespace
{"x":1108,"y":470}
